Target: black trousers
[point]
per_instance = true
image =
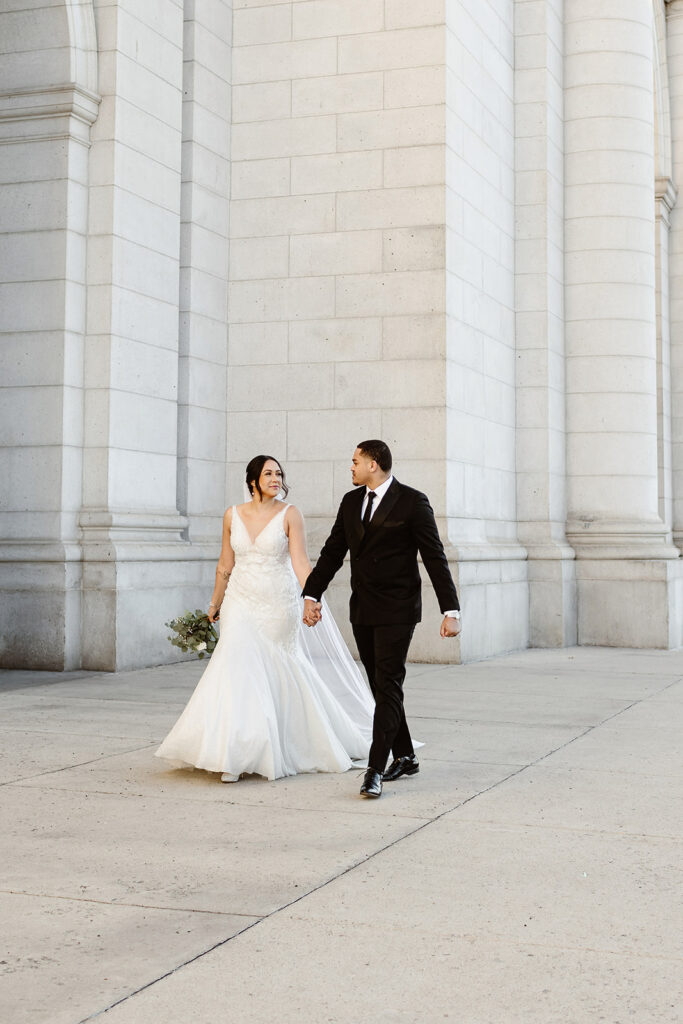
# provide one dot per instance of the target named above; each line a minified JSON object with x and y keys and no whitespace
{"x":383,"y":651}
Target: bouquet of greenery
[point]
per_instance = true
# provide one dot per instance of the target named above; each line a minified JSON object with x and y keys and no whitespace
{"x":195,"y":633}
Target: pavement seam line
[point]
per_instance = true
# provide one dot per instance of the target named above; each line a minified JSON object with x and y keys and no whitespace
{"x":120,"y":903}
{"x":79,"y":764}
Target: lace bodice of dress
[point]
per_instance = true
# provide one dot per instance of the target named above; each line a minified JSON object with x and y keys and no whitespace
{"x":270,"y":545}
{"x":263,"y":585}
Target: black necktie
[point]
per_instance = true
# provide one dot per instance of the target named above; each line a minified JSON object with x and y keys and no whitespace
{"x":368,"y":509}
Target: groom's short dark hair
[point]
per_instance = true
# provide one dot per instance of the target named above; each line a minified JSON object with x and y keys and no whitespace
{"x":379,"y":452}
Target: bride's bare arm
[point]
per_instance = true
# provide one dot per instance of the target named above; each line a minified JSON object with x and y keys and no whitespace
{"x":296,"y":532}
{"x":226,"y":564}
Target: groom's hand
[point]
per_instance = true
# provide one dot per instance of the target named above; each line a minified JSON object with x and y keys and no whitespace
{"x":312,"y":612}
{"x":450,"y":626}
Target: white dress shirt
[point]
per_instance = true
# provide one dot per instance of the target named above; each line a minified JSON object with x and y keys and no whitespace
{"x":379,"y":494}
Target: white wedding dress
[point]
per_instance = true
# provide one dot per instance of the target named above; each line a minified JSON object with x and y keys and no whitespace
{"x":277,"y":697}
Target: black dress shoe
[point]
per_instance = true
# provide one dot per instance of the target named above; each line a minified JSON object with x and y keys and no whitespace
{"x":372,"y":784}
{"x":406,"y":765}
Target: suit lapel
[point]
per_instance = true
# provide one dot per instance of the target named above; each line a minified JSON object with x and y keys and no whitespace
{"x":385,"y":506}
{"x":383,"y":509}
{"x":356,"y":529}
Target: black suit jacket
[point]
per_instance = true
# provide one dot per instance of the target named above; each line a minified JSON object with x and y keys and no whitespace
{"x":385,"y":580}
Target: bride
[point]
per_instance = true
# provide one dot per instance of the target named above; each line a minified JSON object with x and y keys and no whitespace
{"x":275,"y":699}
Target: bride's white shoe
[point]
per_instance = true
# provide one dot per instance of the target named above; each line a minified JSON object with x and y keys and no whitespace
{"x":227,"y":777}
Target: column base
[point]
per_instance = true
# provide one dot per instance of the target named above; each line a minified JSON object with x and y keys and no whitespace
{"x":630,"y":602}
{"x":553,"y":604}
{"x":40,"y":606}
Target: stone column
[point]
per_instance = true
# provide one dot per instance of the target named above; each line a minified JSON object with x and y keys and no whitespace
{"x":675,"y":62}
{"x":203,"y":341}
{"x":539,"y":253}
{"x":137,"y":569}
{"x":627,"y":578}
{"x":48,"y":102}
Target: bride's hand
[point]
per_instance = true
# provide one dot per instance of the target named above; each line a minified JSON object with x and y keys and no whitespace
{"x":312,"y":612}
{"x":214,"y":613}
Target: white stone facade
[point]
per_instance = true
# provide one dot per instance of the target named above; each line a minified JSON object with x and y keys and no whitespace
{"x":234,"y":226}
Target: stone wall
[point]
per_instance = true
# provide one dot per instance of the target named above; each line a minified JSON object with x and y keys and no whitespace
{"x":289,"y":226}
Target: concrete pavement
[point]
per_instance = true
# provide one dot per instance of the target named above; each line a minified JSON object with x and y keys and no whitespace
{"x":531,"y":872}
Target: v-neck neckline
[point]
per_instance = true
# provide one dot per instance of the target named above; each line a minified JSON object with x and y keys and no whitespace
{"x":271,"y":520}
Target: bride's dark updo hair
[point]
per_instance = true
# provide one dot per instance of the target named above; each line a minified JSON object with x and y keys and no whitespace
{"x":253,"y":474}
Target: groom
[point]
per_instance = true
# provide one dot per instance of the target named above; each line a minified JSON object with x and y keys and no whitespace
{"x":384,"y":525}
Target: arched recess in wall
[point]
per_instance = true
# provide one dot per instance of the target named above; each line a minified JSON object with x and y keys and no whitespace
{"x":83,"y":49}
{"x":49,"y":48}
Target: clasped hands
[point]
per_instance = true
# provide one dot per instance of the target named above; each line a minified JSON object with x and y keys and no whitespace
{"x":312,"y":612}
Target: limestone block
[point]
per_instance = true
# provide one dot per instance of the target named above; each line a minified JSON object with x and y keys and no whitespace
{"x":210,"y":41}
{"x":259,"y":257}
{"x":405,"y":385}
{"x":596,"y":494}
{"x":419,"y":291}
{"x":286,"y":215}
{"x":588,"y":414}
{"x":161,"y":99}
{"x":209,"y":170}
{"x":280,"y":387}
{"x":254,"y":431}
{"x":262,"y":25}
{"x":49,"y":28}
{"x":406,"y":14}
{"x":336,"y":172}
{"x":341,"y":252}
{"x":32,"y":476}
{"x":148,"y":178}
{"x":337,"y":94}
{"x":414,"y":87}
{"x":466,"y":437}
{"x":420,"y":434}
{"x":635,"y":603}
{"x":414,"y":249}
{"x":138,"y":220}
{"x":412,"y":126}
{"x":32,"y":416}
{"x":157,"y":48}
{"x":32,"y":305}
{"x":287,"y":137}
{"x":389,"y":208}
{"x":143,"y":480}
{"x":204,"y":426}
{"x":282,"y":299}
{"x":276,"y":61}
{"x":626,"y":453}
{"x":413,"y":337}
{"x":337,"y":340}
{"x":401,"y":48}
{"x":264,"y":101}
{"x":36,"y":256}
{"x":205,"y":260}
{"x":257,"y":343}
{"x":207,"y":128}
{"x":599,"y":375}
{"x":206,"y":385}
{"x":29,"y":359}
{"x":207,"y":337}
{"x":329,"y":434}
{"x":311,"y":490}
{"x":259,"y":178}
{"x":33,"y":206}
{"x":317,"y":18}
